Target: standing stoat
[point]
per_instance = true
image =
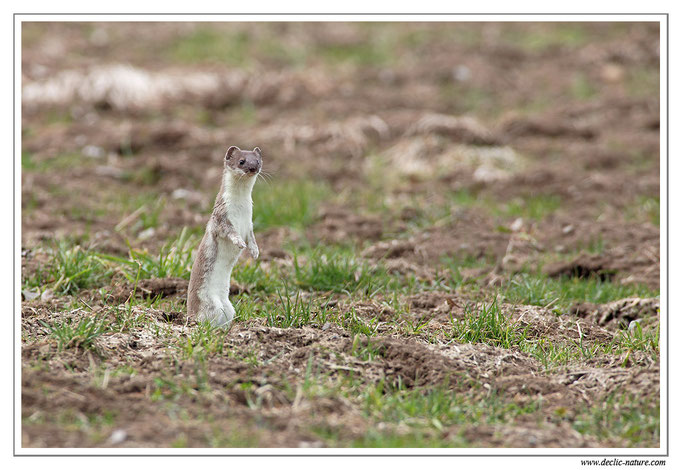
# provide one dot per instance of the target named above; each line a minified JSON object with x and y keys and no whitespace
{"x":228,"y":232}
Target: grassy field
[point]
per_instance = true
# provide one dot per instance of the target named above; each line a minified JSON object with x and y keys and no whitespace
{"x":458,"y":226}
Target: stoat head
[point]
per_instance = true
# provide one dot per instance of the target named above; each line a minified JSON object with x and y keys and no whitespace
{"x":242,"y":162}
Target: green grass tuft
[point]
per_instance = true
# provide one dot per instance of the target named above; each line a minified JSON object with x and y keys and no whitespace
{"x":299,"y":210}
{"x":366,"y":352}
{"x":59,"y":162}
{"x":288,"y":313}
{"x":79,"y":335}
{"x":438,"y":407}
{"x":638,"y":339}
{"x":174,"y":260}
{"x":209,"y":45}
{"x":621,"y":415}
{"x":204,"y":340}
{"x":337,"y":271}
{"x":531,"y":207}
{"x":487,"y":324}
{"x":423,"y":414}
{"x":292,"y":311}
{"x":358,"y":54}
{"x":535,"y":289}
{"x":645,"y":209}
{"x":257,"y":279}
{"x":453,"y":266}
{"x":354,"y":323}
{"x":544,"y":37}
{"x":70,"y":269}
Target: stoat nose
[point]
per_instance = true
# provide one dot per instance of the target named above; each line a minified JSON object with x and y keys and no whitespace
{"x":249,"y":166}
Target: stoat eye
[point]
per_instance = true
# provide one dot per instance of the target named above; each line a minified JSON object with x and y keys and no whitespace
{"x":242,"y":161}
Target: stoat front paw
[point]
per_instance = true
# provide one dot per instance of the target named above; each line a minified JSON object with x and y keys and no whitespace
{"x":253,"y":249}
{"x":238,"y":242}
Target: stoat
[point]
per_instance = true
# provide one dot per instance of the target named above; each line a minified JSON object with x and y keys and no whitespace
{"x":228,"y":232}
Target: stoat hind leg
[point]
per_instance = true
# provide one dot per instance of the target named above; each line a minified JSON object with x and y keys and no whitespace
{"x":218,"y":315}
{"x":227,"y":314}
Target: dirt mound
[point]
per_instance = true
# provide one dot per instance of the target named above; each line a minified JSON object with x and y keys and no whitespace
{"x":142,"y":424}
{"x":338,"y":225}
{"x":545,"y":126}
{"x":550,"y":435}
{"x":539,"y":322}
{"x":163,"y":287}
{"x":467,"y":235}
{"x":463,"y":129}
{"x":428,"y":156}
{"x":488,"y":361}
{"x":413,"y":364}
{"x":149,"y":288}
{"x":349,"y":137}
{"x":128,"y":88}
{"x":620,"y":313}
{"x":432,"y":301}
{"x":166,"y":287}
{"x":593,"y":383}
{"x":583,"y":267}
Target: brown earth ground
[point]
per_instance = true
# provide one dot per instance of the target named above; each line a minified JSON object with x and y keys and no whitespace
{"x":511,"y":148}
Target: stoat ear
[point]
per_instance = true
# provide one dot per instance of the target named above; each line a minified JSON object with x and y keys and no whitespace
{"x":257,"y":150}
{"x":231,"y":151}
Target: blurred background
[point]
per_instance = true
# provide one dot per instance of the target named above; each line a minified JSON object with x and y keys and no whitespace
{"x":122,"y":115}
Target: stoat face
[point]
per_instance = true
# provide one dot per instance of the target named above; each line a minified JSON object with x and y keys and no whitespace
{"x":242,"y":162}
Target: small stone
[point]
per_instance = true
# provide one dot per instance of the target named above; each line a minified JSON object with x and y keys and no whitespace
{"x":109,"y":171}
{"x":309,"y":444}
{"x":46,"y":295}
{"x":326,"y":326}
{"x":147,"y":233}
{"x":27,"y":294}
{"x":567,"y":229}
{"x":486,"y":174}
{"x":93,"y":151}
{"x":187,"y":195}
{"x":118,"y":436}
{"x":633,"y":324}
{"x":461,"y":73}
{"x":180,"y":193}
{"x":612,"y":73}
{"x":516,"y":225}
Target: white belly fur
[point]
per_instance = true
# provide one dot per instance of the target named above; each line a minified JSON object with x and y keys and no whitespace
{"x":217,"y":286}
